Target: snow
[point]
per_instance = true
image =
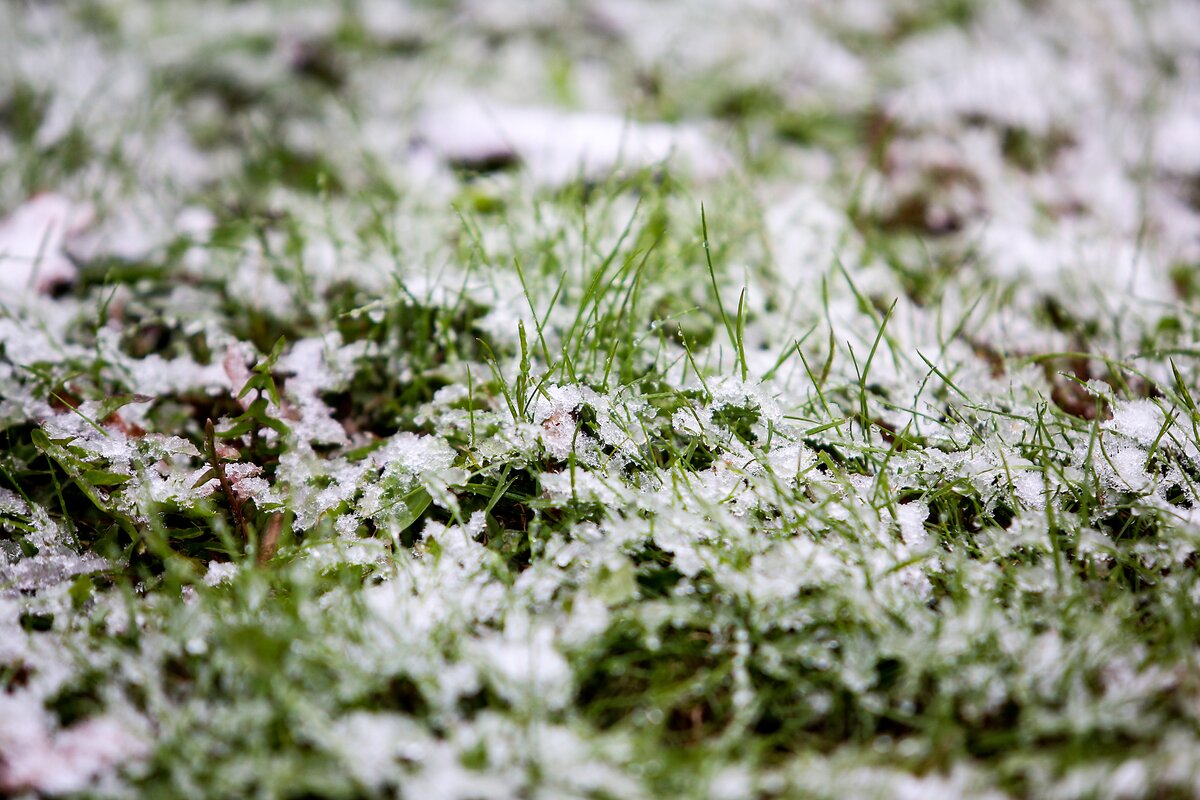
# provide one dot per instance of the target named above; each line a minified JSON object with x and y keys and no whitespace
{"x":911,"y":519}
{"x":37,"y":756}
{"x":1021,"y":185}
{"x":52,"y":566}
{"x":33,"y":244}
{"x":556,"y":146}
{"x":1139,"y":420}
{"x":1178,"y":132}
{"x":524,"y":665}
{"x":219,"y":572}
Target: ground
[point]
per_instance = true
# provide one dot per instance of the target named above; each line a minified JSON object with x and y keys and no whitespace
{"x":600,"y":399}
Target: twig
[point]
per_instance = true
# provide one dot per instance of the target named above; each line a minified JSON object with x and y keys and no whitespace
{"x":270,"y":539}
{"x":235,"y":505}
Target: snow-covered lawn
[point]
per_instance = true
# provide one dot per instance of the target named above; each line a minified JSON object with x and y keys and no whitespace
{"x":605,"y":399}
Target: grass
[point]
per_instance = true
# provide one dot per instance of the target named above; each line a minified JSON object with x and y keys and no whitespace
{"x":330,"y":476}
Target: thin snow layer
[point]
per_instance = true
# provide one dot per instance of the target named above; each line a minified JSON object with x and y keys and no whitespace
{"x":556,"y":146}
{"x":553,"y":483}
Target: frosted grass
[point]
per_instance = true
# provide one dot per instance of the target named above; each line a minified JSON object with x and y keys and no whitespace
{"x":719,"y":400}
